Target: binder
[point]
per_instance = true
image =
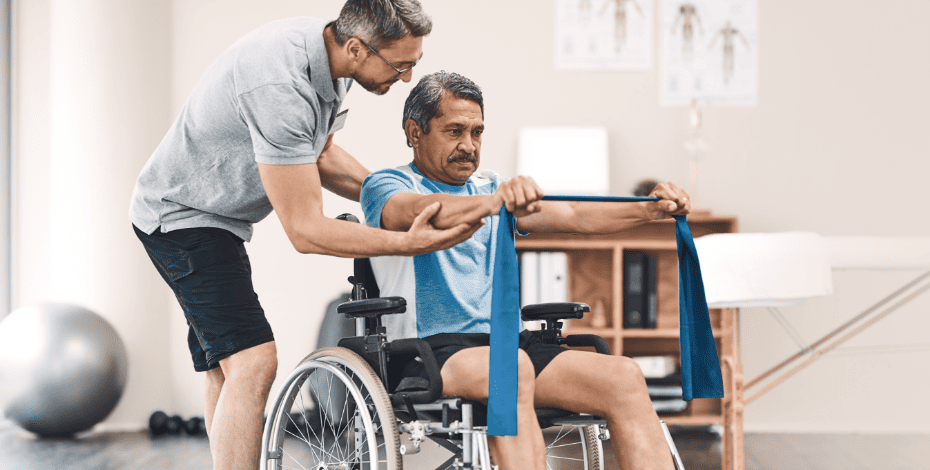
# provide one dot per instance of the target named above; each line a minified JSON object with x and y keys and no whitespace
{"x":650,"y":291}
{"x":634,"y":266}
{"x":553,"y":277}
{"x":529,"y":278}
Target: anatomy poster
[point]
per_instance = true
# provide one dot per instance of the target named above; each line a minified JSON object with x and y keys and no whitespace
{"x":710,"y":52}
{"x":603,"y":34}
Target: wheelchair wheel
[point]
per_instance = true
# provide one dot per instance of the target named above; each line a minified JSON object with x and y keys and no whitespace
{"x":331,"y":413}
{"x":571,"y":447}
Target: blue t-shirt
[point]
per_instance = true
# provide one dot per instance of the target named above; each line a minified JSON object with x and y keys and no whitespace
{"x":447,"y":291}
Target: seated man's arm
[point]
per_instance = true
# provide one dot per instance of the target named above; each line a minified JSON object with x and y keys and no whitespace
{"x":519,"y":194}
{"x":604,"y":217}
{"x":402,"y":208}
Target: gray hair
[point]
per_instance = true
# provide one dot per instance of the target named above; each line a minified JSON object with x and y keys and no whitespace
{"x":422,"y":104}
{"x":380,"y":22}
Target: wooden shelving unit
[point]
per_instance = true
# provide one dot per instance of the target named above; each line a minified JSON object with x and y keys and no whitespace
{"x":595,"y":273}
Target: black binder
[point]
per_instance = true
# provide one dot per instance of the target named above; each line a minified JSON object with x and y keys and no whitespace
{"x":634,"y":305}
{"x":650,"y":291}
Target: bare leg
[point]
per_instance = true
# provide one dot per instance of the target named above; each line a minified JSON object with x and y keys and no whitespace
{"x":215,"y":379}
{"x":612,"y":387}
{"x":236,"y":428}
{"x":465,"y":374}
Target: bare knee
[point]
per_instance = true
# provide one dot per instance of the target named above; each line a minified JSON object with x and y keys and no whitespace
{"x":256,"y":366}
{"x":215,"y":378}
{"x":625,"y":380}
{"x":526,"y":377}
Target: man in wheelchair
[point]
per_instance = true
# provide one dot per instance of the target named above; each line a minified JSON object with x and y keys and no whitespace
{"x":449,"y":292}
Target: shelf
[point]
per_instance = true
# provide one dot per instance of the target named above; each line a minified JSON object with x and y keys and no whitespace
{"x":699,"y":420}
{"x":633,"y":332}
{"x":577,"y":245}
{"x":596,"y":275}
{"x":662,"y":333}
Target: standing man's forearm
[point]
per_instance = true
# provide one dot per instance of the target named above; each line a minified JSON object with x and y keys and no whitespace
{"x":340,"y":173}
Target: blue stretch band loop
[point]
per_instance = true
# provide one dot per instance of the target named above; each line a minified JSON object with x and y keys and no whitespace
{"x":700,"y":366}
{"x":600,"y":198}
{"x":505,"y":333}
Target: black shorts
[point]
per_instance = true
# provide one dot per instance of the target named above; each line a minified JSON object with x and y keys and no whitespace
{"x":209,"y":272}
{"x":444,"y":345}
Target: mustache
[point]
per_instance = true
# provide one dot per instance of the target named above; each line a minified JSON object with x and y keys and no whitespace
{"x":462,"y":158}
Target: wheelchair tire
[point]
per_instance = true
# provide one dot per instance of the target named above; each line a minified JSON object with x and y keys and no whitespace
{"x":570,"y":447}
{"x":316,"y":421}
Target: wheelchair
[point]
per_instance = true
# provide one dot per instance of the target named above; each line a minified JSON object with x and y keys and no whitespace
{"x":347,"y":408}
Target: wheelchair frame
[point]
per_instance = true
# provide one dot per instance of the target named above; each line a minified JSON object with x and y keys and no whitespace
{"x":369,"y":436}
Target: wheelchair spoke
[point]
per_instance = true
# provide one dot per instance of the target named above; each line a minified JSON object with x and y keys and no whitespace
{"x":563,"y":445}
{"x":296,"y":426}
{"x":313,"y":448}
{"x":303,"y":408}
{"x":559,"y":437}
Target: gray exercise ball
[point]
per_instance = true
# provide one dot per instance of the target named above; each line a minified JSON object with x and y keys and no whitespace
{"x":62,"y":368}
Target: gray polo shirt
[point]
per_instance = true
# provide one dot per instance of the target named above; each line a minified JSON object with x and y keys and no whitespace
{"x":268,"y":99}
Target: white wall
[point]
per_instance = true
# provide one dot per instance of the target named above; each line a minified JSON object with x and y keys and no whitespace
{"x":91,"y":106}
{"x":836,"y":145}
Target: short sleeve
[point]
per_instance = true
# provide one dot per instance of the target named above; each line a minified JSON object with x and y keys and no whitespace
{"x":282,"y":124}
{"x":378,"y":187}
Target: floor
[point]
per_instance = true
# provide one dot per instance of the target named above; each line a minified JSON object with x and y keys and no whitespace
{"x":20,"y":450}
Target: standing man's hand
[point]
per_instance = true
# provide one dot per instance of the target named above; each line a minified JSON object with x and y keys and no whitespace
{"x":424,"y":238}
{"x":675,"y":201}
{"x":520,"y":195}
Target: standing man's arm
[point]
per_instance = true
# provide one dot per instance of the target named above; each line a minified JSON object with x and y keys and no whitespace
{"x":296,"y":195}
{"x":340,"y":173}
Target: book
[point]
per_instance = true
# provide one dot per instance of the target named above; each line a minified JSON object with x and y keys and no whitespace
{"x":664,"y":391}
{"x":655,"y":367}
{"x":674,"y":405}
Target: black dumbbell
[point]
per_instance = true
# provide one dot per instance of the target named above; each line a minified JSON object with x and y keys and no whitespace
{"x":194,"y":426}
{"x":158,"y":423}
{"x":175,"y":424}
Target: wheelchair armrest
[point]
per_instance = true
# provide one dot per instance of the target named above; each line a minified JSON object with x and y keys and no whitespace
{"x":421,"y":349}
{"x":594,"y":341}
{"x":554,"y":311}
{"x":370,"y":308}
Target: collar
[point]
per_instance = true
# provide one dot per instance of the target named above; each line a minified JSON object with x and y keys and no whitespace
{"x":318,"y":68}
{"x":446,"y":188}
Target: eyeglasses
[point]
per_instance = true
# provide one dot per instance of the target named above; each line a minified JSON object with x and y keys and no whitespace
{"x":399,"y":71}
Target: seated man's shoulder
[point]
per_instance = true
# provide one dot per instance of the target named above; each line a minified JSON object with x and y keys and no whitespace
{"x":402,"y":174}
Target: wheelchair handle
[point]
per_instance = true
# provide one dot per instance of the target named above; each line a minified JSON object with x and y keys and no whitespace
{"x":594,"y":341}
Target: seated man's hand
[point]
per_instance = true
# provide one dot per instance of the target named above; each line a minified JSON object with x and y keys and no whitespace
{"x":520,"y":194}
{"x":675,"y":201}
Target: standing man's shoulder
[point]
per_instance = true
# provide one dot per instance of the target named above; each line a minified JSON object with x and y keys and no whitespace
{"x":282,"y":52}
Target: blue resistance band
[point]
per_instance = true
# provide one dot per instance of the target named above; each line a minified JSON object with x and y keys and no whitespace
{"x":700,"y":365}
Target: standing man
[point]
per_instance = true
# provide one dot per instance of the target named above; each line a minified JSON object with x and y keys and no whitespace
{"x":255,"y":135}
